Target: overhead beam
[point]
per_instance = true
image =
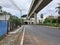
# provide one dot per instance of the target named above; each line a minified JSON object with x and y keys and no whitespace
{"x":37,"y":6}
{"x":40,"y":1}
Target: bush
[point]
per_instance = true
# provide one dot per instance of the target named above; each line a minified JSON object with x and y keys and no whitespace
{"x":1,"y":37}
{"x":52,"y":24}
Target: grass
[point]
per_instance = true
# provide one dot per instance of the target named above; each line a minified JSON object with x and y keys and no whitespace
{"x":1,"y":37}
{"x":51,"y":24}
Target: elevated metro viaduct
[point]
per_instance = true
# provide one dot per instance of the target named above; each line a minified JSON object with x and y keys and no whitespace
{"x":35,"y":7}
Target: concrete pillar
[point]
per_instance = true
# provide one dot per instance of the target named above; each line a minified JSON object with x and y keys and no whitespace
{"x":35,"y":16}
{"x":42,"y":20}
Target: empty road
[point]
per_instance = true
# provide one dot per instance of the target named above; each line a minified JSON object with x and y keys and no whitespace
{"x":41,"y":35}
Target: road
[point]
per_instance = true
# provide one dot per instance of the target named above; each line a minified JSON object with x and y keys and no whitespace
{"x":41,"y":35}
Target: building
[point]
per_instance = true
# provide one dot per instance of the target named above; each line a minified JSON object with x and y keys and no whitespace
{"x":52,"y":17}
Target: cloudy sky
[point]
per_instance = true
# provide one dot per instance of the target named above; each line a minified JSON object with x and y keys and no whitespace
{"x":24,"y":6}
{"x":9,"y":6}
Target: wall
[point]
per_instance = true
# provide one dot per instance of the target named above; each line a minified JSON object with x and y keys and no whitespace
{"x":3,"y":27}
{"x":4,"y":24}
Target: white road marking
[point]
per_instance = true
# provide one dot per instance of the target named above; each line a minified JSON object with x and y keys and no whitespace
{"x":21,"y":43}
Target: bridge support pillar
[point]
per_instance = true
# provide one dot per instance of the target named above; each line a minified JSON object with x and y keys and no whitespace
{"x":35,"y":16}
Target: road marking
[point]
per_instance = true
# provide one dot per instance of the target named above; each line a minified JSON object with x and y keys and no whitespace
{"x":21,"y":43}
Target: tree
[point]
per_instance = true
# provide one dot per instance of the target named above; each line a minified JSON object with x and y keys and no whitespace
{"x":58,"y":9}
{"x":15,"y":20}
{"x":48,"y":20}
{"x":58,"y":19}
{"x":1,"y":10}
{"x":22,"y":21}
{"x":0,"y":7}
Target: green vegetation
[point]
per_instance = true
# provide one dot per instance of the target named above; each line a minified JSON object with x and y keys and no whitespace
{"x":1,"y":37}
{"x":58,"y":20}
{"x":16,"y":21}
{"x":58,"y":9}
{"x":52,"y":22}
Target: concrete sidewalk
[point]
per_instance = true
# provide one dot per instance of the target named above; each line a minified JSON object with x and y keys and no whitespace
{"x":13,"y":38}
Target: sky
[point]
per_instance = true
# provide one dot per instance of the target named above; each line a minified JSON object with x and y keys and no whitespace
{"x":21,"y":4}
{"x":24,"y":5}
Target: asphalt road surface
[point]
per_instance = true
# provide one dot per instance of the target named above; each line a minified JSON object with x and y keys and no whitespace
{"x":41,"y":35}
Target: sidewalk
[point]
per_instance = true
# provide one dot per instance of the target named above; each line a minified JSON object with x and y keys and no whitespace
{"x":13,"y":38}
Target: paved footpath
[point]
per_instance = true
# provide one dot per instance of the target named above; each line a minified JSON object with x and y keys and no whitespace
{"x":13,"y":38}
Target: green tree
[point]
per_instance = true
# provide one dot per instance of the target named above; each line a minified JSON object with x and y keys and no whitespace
{"x":22,"y":21}
{"x":15,"y":20}
{"x":58,"y":9}
{"x":58,"y":19}
{"x":48,"y":20}
{"x":1,"y":10}
{"x":0,"y":7}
